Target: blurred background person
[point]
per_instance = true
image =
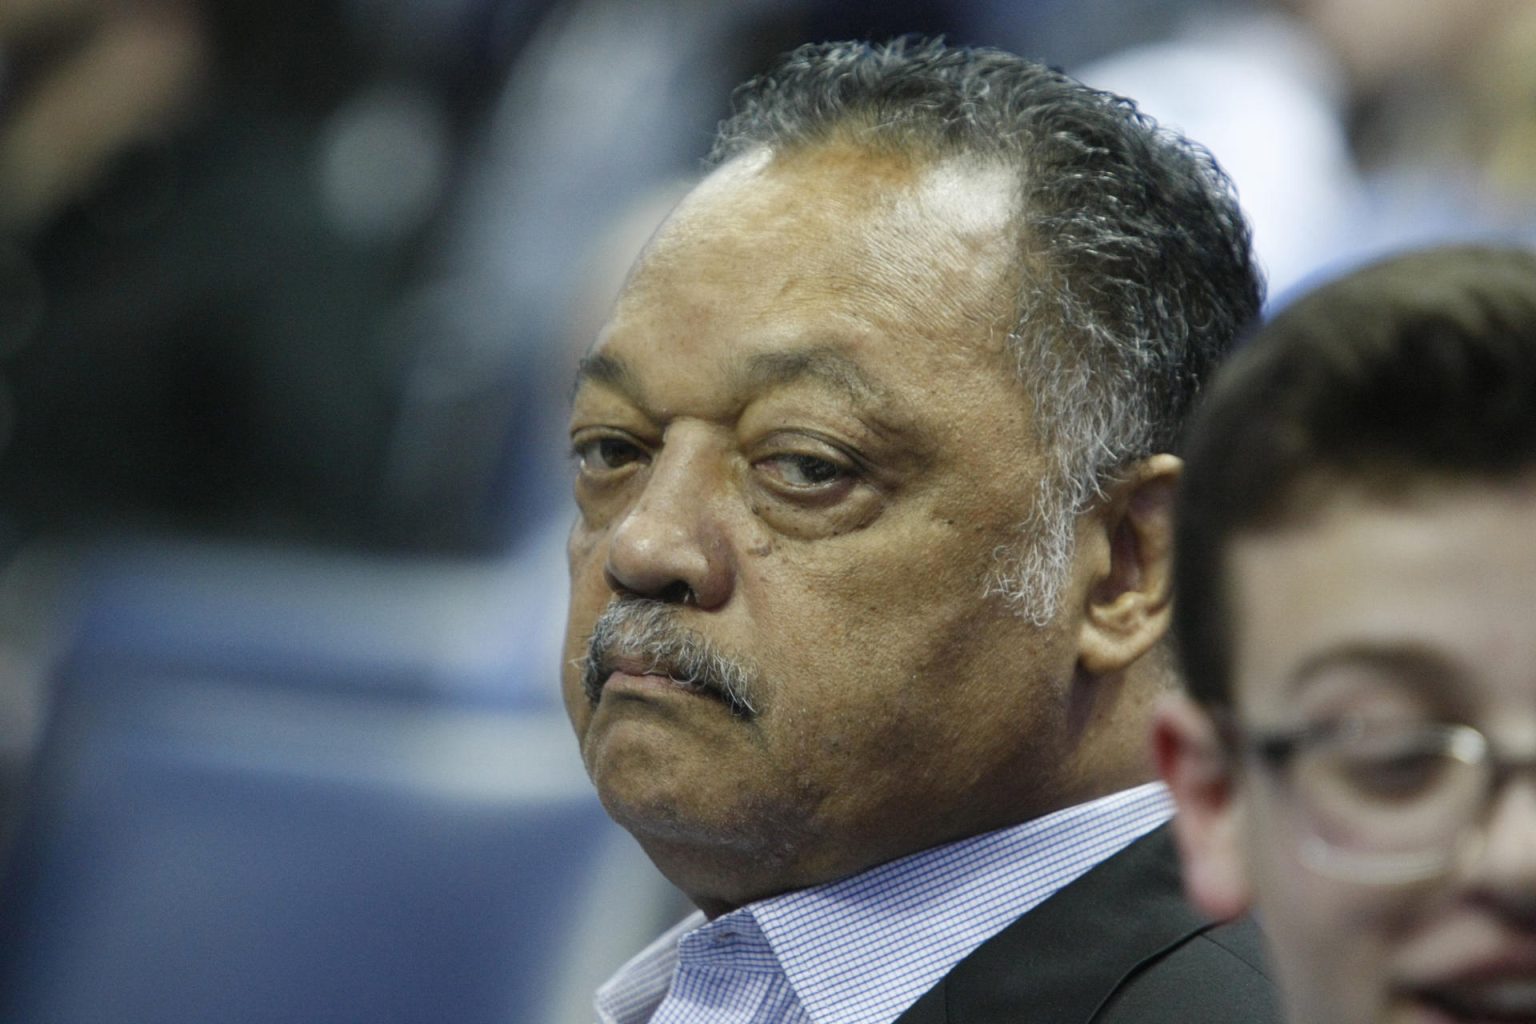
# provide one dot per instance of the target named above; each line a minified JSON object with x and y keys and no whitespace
{"x":284,"y":593}
{"x":1353,"y":127}
{"x":1355,"y":577}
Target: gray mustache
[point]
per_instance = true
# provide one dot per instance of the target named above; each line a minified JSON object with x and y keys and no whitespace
{"x":649,"y":631}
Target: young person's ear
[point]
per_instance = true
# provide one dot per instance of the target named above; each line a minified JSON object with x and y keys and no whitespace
{"x":1209,"y":821}
{"x":1129,"y":538}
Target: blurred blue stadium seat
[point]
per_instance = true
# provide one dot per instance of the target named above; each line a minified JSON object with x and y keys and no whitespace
{"x":253,"y":806}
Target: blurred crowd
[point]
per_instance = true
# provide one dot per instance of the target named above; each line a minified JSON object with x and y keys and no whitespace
{"x":291,"y":291}
{"x":315,"y":271}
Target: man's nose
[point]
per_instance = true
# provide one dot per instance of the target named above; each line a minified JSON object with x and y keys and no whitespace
{"x":671,"y":544}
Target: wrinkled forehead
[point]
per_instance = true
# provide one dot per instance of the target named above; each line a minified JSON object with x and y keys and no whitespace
{"x":837,"y":189}
{"x":886,"y":222}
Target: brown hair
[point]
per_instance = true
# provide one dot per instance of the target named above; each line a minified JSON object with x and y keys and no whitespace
{"x":1424,"y":364}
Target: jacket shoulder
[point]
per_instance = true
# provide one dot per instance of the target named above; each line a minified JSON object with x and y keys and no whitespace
{"x":1118,"y":946}
{"x":1215,"y":976}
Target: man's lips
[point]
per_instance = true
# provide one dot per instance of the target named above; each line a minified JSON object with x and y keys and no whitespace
{"x":641,"y":644}
{"x":638,"y":676}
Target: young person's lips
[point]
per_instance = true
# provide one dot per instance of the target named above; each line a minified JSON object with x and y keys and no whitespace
{"x":1494,"y":992}
{"x":1510,"y":1002}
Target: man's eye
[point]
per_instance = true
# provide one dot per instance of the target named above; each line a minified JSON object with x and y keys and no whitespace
{"x":803,"y":470}
{"x":606,"y":454}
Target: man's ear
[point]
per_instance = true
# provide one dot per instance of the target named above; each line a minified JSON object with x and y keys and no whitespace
{"x":1208,"y":823}
{"x":1130,"y":548}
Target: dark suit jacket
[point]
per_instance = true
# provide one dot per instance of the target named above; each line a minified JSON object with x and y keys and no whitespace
{"x":1118,"y":946}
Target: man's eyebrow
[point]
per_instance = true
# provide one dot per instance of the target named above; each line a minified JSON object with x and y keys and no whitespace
{"x":605,"y":369}
{"x":821,"y":362}
{"x":762,"y":371}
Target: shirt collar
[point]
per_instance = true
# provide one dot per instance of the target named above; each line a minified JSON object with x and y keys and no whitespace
{"x":864,"y":948}
{"x":637,"y":989}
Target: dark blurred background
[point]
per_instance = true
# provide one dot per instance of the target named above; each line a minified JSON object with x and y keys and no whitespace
{"x":290,"y":296}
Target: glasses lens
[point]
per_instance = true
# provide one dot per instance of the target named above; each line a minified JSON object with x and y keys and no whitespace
{"x":1388,"y":798}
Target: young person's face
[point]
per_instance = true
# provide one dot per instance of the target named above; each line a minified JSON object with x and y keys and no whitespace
{"x":1394,"y":886}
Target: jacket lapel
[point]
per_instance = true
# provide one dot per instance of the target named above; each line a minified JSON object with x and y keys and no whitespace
{"x":1062,"y":960}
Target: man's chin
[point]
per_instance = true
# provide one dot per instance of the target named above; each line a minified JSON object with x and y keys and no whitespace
{"x":719,"y":865}
{"x":671,"y":827}
{"x":647,"y":777}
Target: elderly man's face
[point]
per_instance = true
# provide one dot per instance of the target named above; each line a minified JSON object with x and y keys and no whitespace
{"x":800,"y":445}
{"x":1390,"y":615}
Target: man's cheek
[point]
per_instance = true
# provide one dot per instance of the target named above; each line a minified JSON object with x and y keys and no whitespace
{"x":580,"y":547}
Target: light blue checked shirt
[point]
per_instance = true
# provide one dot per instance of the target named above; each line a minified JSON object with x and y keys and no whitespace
{"x":861,"y":950}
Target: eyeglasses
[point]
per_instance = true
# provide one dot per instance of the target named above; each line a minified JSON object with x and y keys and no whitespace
{"x":1382,"y":801}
